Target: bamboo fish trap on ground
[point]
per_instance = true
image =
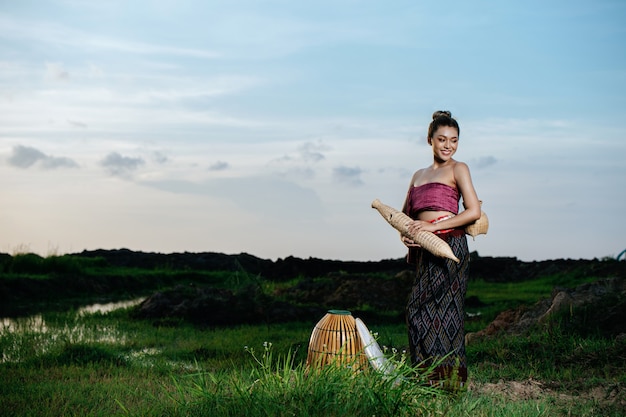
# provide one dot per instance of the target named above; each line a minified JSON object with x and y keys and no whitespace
{"x":335,"y":340}
{"x":426,"y":240}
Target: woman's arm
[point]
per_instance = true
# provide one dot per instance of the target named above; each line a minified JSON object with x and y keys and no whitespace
{"x":471,"y":203}
{"x":466,"y":187}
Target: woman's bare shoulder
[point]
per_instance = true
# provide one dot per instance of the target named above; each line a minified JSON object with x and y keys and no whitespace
{"x":417,"y":175}
{"x":460,"y":168}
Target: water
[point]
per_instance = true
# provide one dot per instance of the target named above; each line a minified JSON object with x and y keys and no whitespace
{"x":37,"y":321}
{"x":108,"y":307}
{"x":35,"y":334}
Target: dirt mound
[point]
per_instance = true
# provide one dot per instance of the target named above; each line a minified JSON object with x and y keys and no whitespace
{"x":594,"y":307}
{"x":493,"y":269}
{"x":536,"y":390}
{"x":367,"y":297}
{"x":379,"y":294}
{"x":530,"y":389}
{"x":209,"y":306}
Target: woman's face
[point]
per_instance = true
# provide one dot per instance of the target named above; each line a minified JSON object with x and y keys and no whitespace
{"x":444,"y":142}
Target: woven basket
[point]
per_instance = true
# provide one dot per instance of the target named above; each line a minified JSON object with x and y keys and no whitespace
{"x":335,"y":340}
{"x":480,"y":226}
{"x":427,"y":240}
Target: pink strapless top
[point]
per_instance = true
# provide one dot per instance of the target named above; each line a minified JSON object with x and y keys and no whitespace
{"x":433,"y":196}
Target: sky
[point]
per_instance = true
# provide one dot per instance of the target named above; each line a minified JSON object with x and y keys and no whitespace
{"x":269,"y":127}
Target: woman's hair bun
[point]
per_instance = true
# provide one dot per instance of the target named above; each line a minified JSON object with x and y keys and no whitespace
{"x":440,"y":113}
{"x":442,"y":118}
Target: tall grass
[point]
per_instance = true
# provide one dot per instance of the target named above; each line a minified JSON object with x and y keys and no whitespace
{"x":97,"y":364}
{"x":280,"y":386}
{"x":108,"y":364}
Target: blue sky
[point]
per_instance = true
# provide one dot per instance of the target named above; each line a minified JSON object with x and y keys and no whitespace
{"x":268,"y":127}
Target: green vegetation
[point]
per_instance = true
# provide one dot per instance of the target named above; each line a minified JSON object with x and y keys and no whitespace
{"x":106,"y":364}
{"x":501,"y":296}
{"x":33,"y":264}
{"x":29,"y":282}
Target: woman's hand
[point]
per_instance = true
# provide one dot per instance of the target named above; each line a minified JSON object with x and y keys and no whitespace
{"x":416,"y":226}
{"x":408,"y":242}
{"x":421,"y":226}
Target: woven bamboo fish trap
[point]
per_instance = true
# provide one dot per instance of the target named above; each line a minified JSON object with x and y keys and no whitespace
{"x":480,"y":226}
{"x":335,"y":340}
{"x":427,"y":240}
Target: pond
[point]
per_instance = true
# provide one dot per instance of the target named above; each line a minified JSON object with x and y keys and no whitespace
{"x":39,"y":334}
{"x":108,"y":307}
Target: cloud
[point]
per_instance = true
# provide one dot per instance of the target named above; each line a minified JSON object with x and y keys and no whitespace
{"x":219,"y":166}
{"x":300,"y":173}
{"x":160,"y":158}
{"x":307,"y":153}
{"x":483,"y":162}
{"x":26,"y":156}
{"x":119,"y":165}
{"x":77,"y":124}
{"x":312,"y":152}
{"x":348,"y":175}
{"x":274,"y":199}
{"x":61,"y":36}
{"x":95,"y":71}
{"x":55,"y":71}
{"x":50,"y":162}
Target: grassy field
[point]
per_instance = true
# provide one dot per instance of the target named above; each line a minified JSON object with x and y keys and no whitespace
{"x":498,"y":297}
{"x":62,"y":363}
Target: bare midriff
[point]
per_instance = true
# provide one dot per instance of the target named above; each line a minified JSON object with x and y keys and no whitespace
{"x":429,"y":216}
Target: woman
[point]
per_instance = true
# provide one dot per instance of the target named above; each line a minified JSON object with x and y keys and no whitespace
{"x":435,"y":310}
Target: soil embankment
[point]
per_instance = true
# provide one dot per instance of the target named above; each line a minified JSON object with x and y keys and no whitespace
{"x":375,"y":290}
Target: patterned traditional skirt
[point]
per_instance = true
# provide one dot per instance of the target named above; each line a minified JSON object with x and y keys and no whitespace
{"x":435,"y":311}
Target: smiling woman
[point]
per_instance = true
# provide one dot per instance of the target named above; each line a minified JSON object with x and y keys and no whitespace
{"x":435,"y":313}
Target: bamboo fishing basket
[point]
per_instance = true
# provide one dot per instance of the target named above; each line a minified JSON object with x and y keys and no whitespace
{"x":335,"y":340}
{"x":480,"y":226}
{"x":426,"y":240}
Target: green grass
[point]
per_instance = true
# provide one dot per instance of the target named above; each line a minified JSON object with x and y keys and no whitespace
{"x":110,"y":364}
{"x":64,"y":364}
{"x":501,"y":296}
